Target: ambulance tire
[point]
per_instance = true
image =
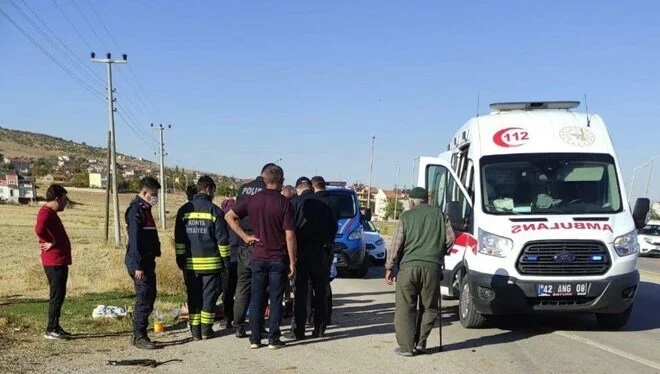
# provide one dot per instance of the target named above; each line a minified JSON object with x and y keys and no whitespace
{"x":470,"y":318}
{"x":613,"y":321}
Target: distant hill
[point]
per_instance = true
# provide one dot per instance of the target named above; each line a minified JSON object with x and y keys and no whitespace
{"x":36,"y":146}
{"x":30,"y":145}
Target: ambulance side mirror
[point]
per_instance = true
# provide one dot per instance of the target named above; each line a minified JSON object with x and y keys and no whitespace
{"x":641,"y":211}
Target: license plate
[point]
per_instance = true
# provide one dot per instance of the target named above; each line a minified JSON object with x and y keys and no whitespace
{"x":562,"y":289}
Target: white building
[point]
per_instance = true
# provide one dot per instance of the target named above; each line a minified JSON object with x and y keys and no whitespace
{"x":26,"y":189}
{"x":9,"y":194}
{"x":382,"y":198}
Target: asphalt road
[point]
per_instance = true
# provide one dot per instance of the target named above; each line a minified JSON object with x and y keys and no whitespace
{"x":649,"y":264}
{"x":363,"y":340}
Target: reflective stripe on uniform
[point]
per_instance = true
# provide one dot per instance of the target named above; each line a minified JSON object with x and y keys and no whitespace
{"x":199,"y":215}
{"x":225,"y":250}
{"x":208,"y":318}
{"x":204,"y":263}
{"x":180,"y":249}
{"x":195,"y":319}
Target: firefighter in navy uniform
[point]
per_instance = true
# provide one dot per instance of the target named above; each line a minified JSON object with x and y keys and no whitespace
{"x":244,"y":257}
{"x":202,"y":252}
{"x":141,"y":252}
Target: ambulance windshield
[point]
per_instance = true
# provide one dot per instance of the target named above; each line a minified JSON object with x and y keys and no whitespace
{"x":550,"y":183}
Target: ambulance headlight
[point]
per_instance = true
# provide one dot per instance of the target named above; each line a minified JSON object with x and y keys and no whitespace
{"x":626,"y":245}
{"x":648,"y":240}
{"x":494,"y":245}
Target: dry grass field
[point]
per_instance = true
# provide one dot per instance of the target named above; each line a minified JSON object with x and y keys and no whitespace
{"x":97,"y":276}
{"x":97,"y":267}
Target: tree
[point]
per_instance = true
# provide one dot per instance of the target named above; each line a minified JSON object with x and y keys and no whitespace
{"x":81,"y":180}
{"x":389,"y":209}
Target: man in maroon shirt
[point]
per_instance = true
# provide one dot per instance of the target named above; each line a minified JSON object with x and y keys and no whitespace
{"x":55,"y":256}
{"x":274,"y":254}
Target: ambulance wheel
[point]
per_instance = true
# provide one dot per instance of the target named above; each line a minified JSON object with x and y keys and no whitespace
{"x":613,"y":321}
{"x":470,"y":318}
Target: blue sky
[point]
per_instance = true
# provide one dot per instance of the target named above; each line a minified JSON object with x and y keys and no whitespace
{"x":244,"y":83}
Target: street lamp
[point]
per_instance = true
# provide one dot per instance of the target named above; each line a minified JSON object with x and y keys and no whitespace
{"x":632,"y":180}
{"x":648,"y":179}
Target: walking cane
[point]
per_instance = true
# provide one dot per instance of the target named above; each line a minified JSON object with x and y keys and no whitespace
{"x":440,"y":320}
{"x":440,"y":314}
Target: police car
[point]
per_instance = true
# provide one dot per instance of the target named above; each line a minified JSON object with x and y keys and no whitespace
{"x":375,"y":243}
{"x":648,"y":238}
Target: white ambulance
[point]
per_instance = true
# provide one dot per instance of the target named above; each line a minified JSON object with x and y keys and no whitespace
{"x":535,"y":194}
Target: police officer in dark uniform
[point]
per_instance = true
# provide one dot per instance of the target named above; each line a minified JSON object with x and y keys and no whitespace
{"x":244,"y":255}
{"x":315,"y":225}
{"x":202,"y":252}
{"x":141,"y":252}
{"x":320,"y":192}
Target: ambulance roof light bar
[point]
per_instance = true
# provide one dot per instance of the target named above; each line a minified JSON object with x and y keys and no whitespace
{"x":535,"y":105}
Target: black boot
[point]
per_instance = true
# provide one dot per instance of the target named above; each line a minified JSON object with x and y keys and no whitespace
{"x":207,"y":332}
{"x":319,"y":331}
{"x":240,"y":331}
{"x":196,"y":332}
{"x":142,"y":341}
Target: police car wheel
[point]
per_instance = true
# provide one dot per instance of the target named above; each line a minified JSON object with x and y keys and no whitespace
{"x":470,"y":318}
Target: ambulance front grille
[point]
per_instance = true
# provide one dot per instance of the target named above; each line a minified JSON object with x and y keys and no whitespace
{"x":564,"y":258}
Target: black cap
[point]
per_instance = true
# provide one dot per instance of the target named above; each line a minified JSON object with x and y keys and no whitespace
{"x":319,"y":181}
{"x":302,"y":180}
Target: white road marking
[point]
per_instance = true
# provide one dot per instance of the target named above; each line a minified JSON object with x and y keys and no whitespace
{"x":620,"y":353}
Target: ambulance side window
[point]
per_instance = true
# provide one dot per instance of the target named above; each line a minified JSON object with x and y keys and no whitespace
{"x":445,"y":193}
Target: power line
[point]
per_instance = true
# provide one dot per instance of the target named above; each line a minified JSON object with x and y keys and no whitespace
{"x":72,"y":25}
{"x":57,"y":48}
{"x":89,"y":72}
{"x":130,"y":68}
{"x":89,"y":24}
{"x":103,"y":24}
{"x":52,"y":58}
{"x":134,"y":130}
{"x":139,"y":129}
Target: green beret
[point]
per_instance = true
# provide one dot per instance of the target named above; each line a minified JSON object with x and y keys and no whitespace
{"x":419,"y":193}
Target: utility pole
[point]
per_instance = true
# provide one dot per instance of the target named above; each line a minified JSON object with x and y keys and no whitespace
{"x":107,"y":191}
{"x":163,"y":186}
{"x":371,"y":169}
{"x":113,"y":149}
{"x":396,"y":191}
{"x":648,"y":179}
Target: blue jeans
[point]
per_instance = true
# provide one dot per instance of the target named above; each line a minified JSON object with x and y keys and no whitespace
{"x":271,"y":275}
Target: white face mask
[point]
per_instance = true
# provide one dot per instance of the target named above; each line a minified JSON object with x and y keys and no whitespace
{"x":153,"y":200}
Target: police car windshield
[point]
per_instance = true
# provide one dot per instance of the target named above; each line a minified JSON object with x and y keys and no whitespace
{"x":368,"y":226}
{"x":650,"y":230}
{"x":344,"y":204}
{"x":550,"y":183}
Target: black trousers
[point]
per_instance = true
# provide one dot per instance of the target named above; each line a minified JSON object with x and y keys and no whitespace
{"x":229,"y":282}
{"x":145,"y":297}
{"x":312,"y":269}
{"x":203,"y":291}
{"x":243,"y":284}
{"x":57,"y":278}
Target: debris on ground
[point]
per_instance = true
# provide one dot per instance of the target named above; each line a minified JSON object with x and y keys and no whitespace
{"x":108,"y":311}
